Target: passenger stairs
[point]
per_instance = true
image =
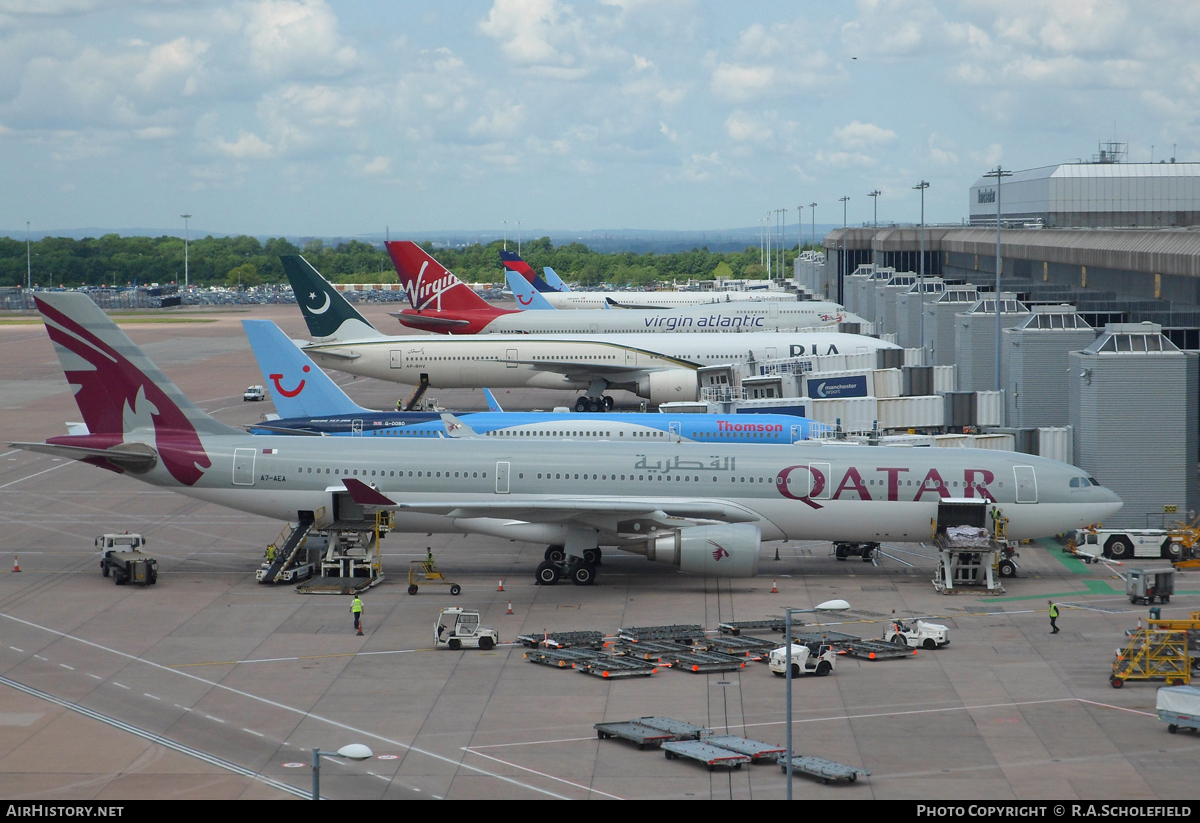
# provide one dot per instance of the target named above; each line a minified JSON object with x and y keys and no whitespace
{"x":286,"y":551}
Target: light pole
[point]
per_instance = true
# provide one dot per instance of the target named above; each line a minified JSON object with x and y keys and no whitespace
{"x":767,"y":222}
{"x":812,"y":211}
{"x":827,"y":606}
{"x":505,"y":222}
{"x":845,"y":232}
{"x":185,"y":217}
{"x":28,"y":260}
{"x":874,"y":195}
{"x":354,"y":751}
{"x":999,"y":173}
{"x":921,"y":276}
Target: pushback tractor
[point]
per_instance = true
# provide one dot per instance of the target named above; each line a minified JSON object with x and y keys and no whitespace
{"x":459,"y":629}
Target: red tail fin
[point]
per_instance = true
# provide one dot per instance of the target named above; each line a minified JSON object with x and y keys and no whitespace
{"x":428,"y":284}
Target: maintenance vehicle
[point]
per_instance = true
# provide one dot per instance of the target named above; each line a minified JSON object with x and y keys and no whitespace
{"x":459,"y":629}
{"x":120,"y":559}
{"x":1090,"y":545}
{"x":254,"y":393}
{"x":1179,"y":708}
{"x":917,"y":634}
{"x":810,"y":658}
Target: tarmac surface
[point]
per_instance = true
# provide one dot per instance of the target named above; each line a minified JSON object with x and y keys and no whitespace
{"x":208,"y":685}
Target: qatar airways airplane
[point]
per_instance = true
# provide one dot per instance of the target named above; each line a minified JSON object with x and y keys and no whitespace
{"x":704,"y":508}
{"x":442,"y":303}
{"x":658,"y":367}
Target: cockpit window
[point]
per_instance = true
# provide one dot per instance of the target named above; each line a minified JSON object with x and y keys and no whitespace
{"x":1094,"y":481}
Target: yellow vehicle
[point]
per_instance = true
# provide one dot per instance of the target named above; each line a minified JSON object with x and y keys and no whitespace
{"x":427,"y":572}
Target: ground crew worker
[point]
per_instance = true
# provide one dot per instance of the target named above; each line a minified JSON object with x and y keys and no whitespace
{"x":356,"y":609}
{"x":429,"y":554}
{"x":1053,"y":616}
{"x":271,"y":553}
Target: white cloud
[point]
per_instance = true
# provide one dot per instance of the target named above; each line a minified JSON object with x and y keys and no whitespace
{"x":666,"y":131}
{"x":780,"y":59}
{"x":502,"y":120}
{"x":857,"y":135}
{"x":744,"y":127}
{"x":844,"y":159}
{"x":248,"y":146}
{"x":289,"y":39}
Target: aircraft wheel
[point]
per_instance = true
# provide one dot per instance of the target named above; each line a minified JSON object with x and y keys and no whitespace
{"x":594,"y":405}
{"x":547,"y":574}
{"x":455,"y":590}
{"x":583,"y":574}
{"x":593,"y":556}
{"x":412,"y":589}
{"x":581,"y":404}
{"x":555,"y":554}
{"x":1008,"y":568}
{"x":485,"y":643}
{"x":608,"y":403}
{"x":823,"y":668}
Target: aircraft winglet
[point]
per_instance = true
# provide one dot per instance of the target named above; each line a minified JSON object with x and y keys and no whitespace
{"x":457,"y":428}
{"x":493,"y":403}
{"x":364,"y":495}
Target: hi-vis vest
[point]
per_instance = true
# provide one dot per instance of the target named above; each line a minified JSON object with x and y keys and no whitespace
{"x":1054,"y":610}
{"x":356,"y":606}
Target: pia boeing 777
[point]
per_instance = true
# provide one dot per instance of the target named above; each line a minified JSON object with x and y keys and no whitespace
{"x":703,"y":508}
{"x":658,"y":367}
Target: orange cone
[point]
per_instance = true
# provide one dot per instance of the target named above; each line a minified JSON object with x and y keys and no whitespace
{"x":16,"y":564}
{"x":500,"y":588}
{"x":774,"y":588}
{"x":509,"y":608}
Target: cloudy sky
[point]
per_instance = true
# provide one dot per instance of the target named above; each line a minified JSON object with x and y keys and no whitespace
{"x":319,"y":118}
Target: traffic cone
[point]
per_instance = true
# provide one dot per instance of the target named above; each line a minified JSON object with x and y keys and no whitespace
{"x":776,"y":552}
{"x":500,"y":588}
{"x":774,"y":588}
{"x":360,"y":634}
{"x":510,"y":611}
{"x":16,"y":564}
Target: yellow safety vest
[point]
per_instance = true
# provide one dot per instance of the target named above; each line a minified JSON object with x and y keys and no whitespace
{"x":1054,"y":610}
{"x":356,"y":606}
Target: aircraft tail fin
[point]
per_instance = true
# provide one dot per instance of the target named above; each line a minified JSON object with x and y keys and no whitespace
{"x":329,"y":315}
{"x":493,"y":403}
{"x":298,"y":386}
{"x":456,"y":428}
{"x":524,"y":293}
{"x":121,"y":394}
{"x":513,"y":262}
{"x":428,"y":284}
{"x":554,"y":280}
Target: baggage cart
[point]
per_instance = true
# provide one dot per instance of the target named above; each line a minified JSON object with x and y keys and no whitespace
{"x":1143,"y":585}
{"x":426,"y":572}
{"x":1179,"y":707}
{"x":610,"y":667}
{"x":560,"y":658}
{"x":775,"y":624}
{"x":681,"y":633}
{"x":826,"y":770}
{"x":563,"y":640}
{"x":651,"y":731}
{"x":705,"y":753}
{"x":875,"y":650}
{"x":757,"y":751}
{"x":741,"y":646}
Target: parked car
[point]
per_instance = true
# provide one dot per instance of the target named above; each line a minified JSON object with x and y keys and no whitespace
{"x":255,"y":393}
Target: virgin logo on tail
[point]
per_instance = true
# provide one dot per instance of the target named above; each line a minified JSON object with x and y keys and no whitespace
{"x":719,"y":552}
{"x":275,"y":378}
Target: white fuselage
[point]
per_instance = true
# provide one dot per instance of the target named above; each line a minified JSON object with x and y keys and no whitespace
{"x":721,"y":318}
{"x":661,"y":299}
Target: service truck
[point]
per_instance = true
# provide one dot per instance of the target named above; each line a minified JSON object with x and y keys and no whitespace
{"x":121,"y":560}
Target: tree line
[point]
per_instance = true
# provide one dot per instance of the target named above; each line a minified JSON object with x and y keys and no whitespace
{"x":114,"y":260}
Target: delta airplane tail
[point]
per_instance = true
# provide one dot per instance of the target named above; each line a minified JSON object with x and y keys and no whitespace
{"x":329,"y":315}
{"x":298,"y":387}
{"x":513,"y":262}
{"x":136,"y":418}
{"x":554,"y":280}
{"x":525,"y":295}
{"x":428,"y":284}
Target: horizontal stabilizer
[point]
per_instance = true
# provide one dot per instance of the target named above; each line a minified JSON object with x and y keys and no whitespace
{"x":133,"y":457}
{"x":364,"y":495}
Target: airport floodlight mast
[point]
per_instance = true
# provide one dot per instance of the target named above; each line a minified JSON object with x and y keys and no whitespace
{"x":518,"y":238}
{"x":827,"y":606}
{"x":28,"y":260}
{"x":921,"y":276}
{"x":505,"y":222}
{"x":185,"y":217}
{"x":842,"y":274}
{"x":874,"y":195}
{"x":999,"y":173}
{"x":767,"y":255}
{"x":812,"y":212}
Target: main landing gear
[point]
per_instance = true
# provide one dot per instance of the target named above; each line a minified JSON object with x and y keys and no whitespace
{"x":594,"y":404}
{"x":581,"y":572}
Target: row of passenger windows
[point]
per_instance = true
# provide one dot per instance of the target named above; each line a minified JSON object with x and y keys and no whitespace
{"x":382,"y":473}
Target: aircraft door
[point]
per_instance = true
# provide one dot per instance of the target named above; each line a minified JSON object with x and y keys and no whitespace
{"x":675,"y":433}
{"x":1026,"y":484}
{"x":821,"y":481}
{"x":356,"y":427}
{"x":243,"y":467}
{"x":797,"y":434}
{"x":773,"y":310}
{"x":630,"y":357}
{"x":502,"y":477}
{"x":396,"y":359}
{"x":511,"y":357}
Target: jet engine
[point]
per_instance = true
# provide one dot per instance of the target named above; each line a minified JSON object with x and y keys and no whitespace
{"x":728,"y":550}
{"x":669,"y":385}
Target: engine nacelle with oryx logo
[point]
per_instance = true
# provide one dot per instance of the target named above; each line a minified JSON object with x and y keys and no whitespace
{"x":669,"y":386}
{"x":727,"y":550}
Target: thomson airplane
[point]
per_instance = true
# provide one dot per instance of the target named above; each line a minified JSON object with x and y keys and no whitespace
{"x":309,"y":402}
{"x":658,"y":367}
{"x":704,"y":508}
{"x":560,"y":295}
{"x":443,"y":303}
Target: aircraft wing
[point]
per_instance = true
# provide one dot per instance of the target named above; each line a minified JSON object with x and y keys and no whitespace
{"x":430,"y":321}
{"x":606,"y":513}
{"x":610,"y":302}
{"x":321,"y":351}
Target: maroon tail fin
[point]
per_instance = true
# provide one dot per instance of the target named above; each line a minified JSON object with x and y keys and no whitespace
{"x":429,"y":285}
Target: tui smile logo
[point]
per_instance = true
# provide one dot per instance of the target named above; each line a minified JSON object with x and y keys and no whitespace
{"x":275,"y":378}
{"x":524,"y":301}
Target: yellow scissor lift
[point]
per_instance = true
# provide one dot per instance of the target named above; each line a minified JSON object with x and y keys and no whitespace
{"x":427,"y":572}
{"x":1159,"y":651}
